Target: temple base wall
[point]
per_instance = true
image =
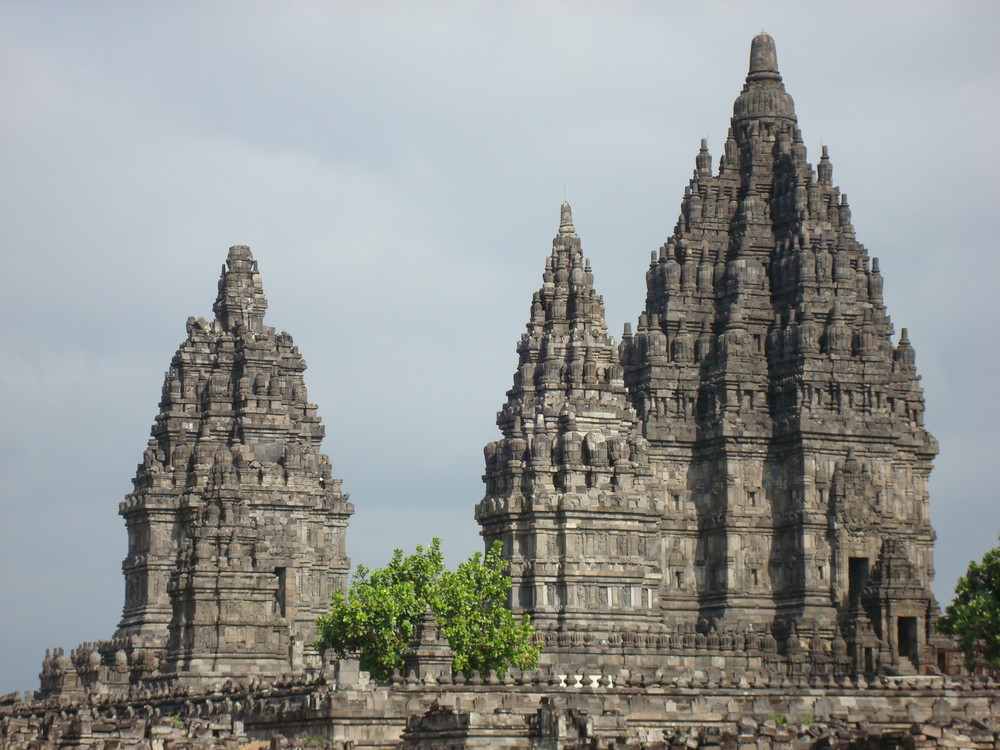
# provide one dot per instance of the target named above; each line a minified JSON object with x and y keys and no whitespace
{"x":634,"y":708}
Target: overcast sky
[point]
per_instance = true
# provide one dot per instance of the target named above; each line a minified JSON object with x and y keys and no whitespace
{"x":397,"y":169}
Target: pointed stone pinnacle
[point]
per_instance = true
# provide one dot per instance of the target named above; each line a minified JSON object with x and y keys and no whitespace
{"x":763,"y":55}
{"x":234,"y":421}
{"x":767,"y":239}
{"x":241,"y":299}
{"x":566,"y":219}
{"x":763,"y":95}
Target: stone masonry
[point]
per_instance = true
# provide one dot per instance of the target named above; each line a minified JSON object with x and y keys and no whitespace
{"x":340,"y":708}
{"x":569,"y":488}
{"x":720,"y":526}
{"x":766,"y":470}
{"x":236,"y":528}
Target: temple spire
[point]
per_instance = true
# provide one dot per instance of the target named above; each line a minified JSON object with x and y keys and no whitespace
{"x":234,"y":421}
{"x":569,"y":441}
{"x":763,"y":93}
{"x":763,"y":57}
{"x":241,"y":299}
{"x":566,"y":219}
{"x":769,"y":238}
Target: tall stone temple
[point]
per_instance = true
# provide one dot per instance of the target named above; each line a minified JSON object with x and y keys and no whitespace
{"x":740,"y":485}
{"x":236,"y":530}
{"x":570,"y":489}
{"x":754,"y":463}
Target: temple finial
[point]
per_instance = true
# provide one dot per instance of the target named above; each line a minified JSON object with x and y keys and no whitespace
{"x":241,"y":298}
{"x":763,"y":55}
{"x":566,"y":219}
{"x":763,"y":94}
{"x":703,"y":161}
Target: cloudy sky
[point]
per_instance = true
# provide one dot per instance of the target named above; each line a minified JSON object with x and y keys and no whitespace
{"x":397,"y":169}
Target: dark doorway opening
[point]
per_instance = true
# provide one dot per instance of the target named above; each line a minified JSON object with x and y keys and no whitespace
{"x":857,"y":576}
{"x":906,"y":636}
{"x":280,"y":593}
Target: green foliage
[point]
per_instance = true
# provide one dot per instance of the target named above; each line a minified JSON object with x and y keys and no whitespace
{"x":779,"y":719}
{"x":974,"y":616}
{"x":311,"y":739}
{"x":377,"y":617}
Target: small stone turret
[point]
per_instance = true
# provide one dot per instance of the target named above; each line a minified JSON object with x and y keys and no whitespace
{"x":429,"y":656}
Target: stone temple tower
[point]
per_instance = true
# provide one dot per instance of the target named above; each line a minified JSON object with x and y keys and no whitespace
{"x":768,"y":486}
{"x":235,"y":526}
{"x":783,"y":420}
{"x":569,"y":488}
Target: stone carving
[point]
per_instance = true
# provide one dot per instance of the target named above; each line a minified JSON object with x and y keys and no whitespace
{"x":579,"y":523}
{"x":236,"y":528}
{"x":791,"y":421}
{"x":736,"y":492}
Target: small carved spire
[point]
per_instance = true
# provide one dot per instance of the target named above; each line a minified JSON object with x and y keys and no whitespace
{"x":808,"y":333}
{"x":875,"y":283}
{"x":845,"y":211}
{"x":703,"y":161}
{"x":703,"y":344}
{"x":682,"y":347}
{"x":566,"y":219}
{"x":241,"y":299}
{"x":731,"y":149}
{"x":837,"y":334}
{"x":905,"y":356}
{"x":429,"y":654}
{"x":824,"y":169}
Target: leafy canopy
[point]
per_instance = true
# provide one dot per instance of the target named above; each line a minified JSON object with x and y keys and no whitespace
{"x":974,"y":615}
{"x":377,"y":617}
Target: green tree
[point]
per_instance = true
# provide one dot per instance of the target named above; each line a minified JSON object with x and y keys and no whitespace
{"x":974,"y":616}
{"x":377,"y":616}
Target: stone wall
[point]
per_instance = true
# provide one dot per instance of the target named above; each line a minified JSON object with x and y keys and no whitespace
{"x":538,"y":708}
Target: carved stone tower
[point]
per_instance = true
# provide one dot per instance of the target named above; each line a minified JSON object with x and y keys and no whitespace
{"x":236,"y":528}
{"x":568,"y":488}
{"x":785,"y":424}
